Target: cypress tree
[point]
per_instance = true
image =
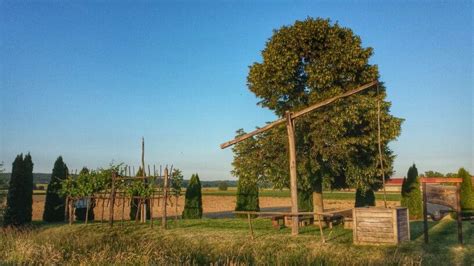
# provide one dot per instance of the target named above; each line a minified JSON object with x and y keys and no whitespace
{"x":54,"y":206}
{"x":247,"y":197}
{"x":365,"y":198}
{"x":467,"y":195}
{"x":305,"y":200}
{"x":193,"y":199}
{"x":20,"y":192}
{"x":411,"y":194}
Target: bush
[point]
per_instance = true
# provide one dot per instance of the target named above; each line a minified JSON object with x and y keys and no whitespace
{"x":467,"y":195}
{"x":134,"y":203}
{"x":19,"y":208}
{"x":411,"y":194}
{"x":365,"y":198}
{"x":222,"y":186}
{"x":305,"y":200}
{"x":54,"y":206}
{"x":247,"y":197}
{"x":193,"y":200}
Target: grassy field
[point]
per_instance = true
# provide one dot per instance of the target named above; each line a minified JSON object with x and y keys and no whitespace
{"x":225,"y":241}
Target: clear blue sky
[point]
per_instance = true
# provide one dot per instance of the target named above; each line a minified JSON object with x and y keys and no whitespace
{"x":88,"y":80}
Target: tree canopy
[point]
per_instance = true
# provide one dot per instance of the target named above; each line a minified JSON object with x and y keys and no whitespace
{"x":303,"y":64}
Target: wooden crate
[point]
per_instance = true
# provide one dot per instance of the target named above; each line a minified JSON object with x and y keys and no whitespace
{"x":377,"y":225}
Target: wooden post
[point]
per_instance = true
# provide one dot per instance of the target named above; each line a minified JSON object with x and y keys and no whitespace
{"x":123,"y":207}
{"x":293,"y":177}
{"x":143,"y":208}
{"x":321,"y":229}
{"x":425,"y":214}
{"x":458,"y":212}
{"x":66,"y":209}
{"x":112,"y":200}
{"x":250,"y":225}
{"x":165,"y":196}
{"x":87,"y":208}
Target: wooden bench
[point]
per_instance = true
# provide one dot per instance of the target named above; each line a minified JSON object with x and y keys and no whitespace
{"x":276,"y":221}
{"x":303,"y":220}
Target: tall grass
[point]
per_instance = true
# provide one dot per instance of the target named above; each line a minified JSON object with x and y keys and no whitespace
{"x":218,"y":242}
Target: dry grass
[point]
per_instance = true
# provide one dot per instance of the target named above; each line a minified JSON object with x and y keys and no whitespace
{"x":223,"y":242}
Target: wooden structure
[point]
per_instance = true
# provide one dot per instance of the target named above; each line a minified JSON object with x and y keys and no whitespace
{"x":289,"y":120}
{"x":376,"y":225}
{"x":434,"y":192}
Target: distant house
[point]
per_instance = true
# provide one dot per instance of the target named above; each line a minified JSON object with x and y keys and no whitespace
{"x":394,"y":184}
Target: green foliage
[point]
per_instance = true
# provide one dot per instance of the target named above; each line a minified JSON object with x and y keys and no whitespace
{"x":411,"y":194}
{"x":432,"y":173}
{"x":467,"y":194}
{"x":86,"y":186}
{"x":176,"y":182}
{"x":20,"y":192}
{"x":364,"y":198}
{"x":305,"y":200}
{"x":305,"y":63}
{"x":139,"y":188}
{"x":222,"y":186}
{"x":193,"y":200}
{"x":55,"y":203}
{"x":247,"y":196}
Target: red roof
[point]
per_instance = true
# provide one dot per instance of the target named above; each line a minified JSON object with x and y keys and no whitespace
{"x":395,"y":181}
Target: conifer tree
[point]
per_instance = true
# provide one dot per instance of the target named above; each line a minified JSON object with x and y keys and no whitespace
{"x":20,"y":192}
{"x":365,"y":198}
{"x":411,"y":194}
{"x":247,"y":196}
{"x":467,"y":195}
{"x":54,"y":206}
{"x":193,"y":200}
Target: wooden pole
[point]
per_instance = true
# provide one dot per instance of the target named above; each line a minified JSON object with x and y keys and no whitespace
{"x":123,"y":207}
{"x":293,"y":174}
{"x":425,"y":214}
{"x":165,"y":195}
{"x":112,"y":200}
{"x":250,"y":225}
{"x":87,"y":208}
{"x":66,"y":209}
{"x":143,"y":209}
{"x":458,"y":211}
{"x":321,"y":229}
{"x":379,"y":140}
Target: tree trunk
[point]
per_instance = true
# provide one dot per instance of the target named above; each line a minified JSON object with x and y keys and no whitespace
{"x":318,"y":204}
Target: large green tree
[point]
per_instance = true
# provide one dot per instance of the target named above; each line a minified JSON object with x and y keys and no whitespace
{"x":303,"y":64}
{"x":54,"y":206}
{"x":467,"y":193}
{"x":20,"y":192}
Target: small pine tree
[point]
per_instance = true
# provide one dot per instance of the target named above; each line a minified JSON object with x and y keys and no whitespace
{"x":411,"y":194}
{"x":54,"y":206}
{"x":467,"y":194}
{"x":193,"y":199}
{"x":20,"y":192}
{"x":247,"y":197}
{"x":305,"y":200}
{"x":365,"y":198}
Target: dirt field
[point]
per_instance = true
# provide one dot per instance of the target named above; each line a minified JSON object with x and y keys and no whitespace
{"x":214,"y":206}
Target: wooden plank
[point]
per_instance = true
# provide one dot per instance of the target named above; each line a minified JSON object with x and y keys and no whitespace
{"x":374,"y":214}
{"x":374,"y":225}
{"x":297,"y":114}
{"x":375,"y":219}
{"x":370,"y":239}
{"x":378,"y":235}
{"x":395,"y":225}
{"x":354,"y":225}
{"x":361,"y":228}
{"x":440,"y":180}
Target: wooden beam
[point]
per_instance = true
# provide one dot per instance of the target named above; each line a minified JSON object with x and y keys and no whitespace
{"x":297,"y":114}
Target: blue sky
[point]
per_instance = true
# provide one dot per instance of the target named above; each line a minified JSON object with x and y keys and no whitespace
{"x":86,"y":80}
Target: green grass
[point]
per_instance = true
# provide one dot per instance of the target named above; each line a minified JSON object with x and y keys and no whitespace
{"x":335,"y":195}
{"x":224,"y":241}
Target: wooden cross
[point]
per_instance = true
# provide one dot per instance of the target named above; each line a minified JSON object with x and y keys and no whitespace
{"x":290,"y":126}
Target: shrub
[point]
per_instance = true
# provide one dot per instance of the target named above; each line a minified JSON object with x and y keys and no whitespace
{"x":20,"y":193}
{"x":467,"y":195}
{"x":411,"y":194}
{"x":134,"y":203}
{"x":193,"y":199}
{"x":54,"y":206}
{"x":305,"y":200}
{"x":247,"y":197}
{"x":222,"y":186}
{"x":365,"y":198}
